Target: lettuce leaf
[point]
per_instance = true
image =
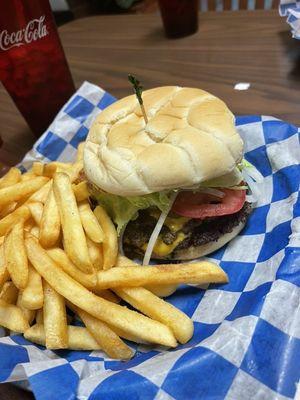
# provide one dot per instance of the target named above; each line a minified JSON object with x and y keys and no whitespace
{"x":124,"y":209}
{"x":244,"y":164}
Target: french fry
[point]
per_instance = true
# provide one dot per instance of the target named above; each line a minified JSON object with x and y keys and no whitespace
{"x":197,"y":273}
{"x":9,"y":293}
{"x":96,"y":254}
{"x":80,"y":148}
{"x":110,"y":243}
{"x":12,"y":318}
{"x":128,"y":336}
{"x":50,"y":222}
{"x":9,"y":208}
{"x":81,"y":191}
{"x":35,"y":231}
{"x":29,"y":224}
{"x":41,"y":194}
{"x":158,"y":309}
{"x":55,"y":319}
{"x":158,"y":290}
{"x":36,"y":210}
{"x":73,"y":233}
{"x":79,"y":338}
{"x":4,"y":274}
{"x":61,"y":259}
{"x":29,"y":315}
{"x":21,"y":213}
{"x":107,"y":339}
{"x":162,"y":290}
{"x":72,"y":170}
{"x":12,"y":177}
{"x":21,"y":190}
{"x":113,"y":314}
{"x":123,"y":261}
{"x":27,"y":176}
{"x":107,"y":295}
{"x":55,"y":166}
{"x":75,"y":170}
{"x":38,"y":168}
{"x":39,"y":318}
{"x":90,"y":223}
{"x":50,"y":170}
{"x":64,"y":167}
{"x":15,"y":256}
{"x":32,"y":296}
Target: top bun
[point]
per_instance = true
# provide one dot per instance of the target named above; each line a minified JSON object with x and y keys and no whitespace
{"x":190,"y":137}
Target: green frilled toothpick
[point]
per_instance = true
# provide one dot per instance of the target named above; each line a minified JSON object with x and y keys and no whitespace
{"x":138,"y":88}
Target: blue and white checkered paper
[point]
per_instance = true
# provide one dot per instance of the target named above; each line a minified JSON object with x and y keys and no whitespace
{"x":247,"y":333}
{"x":291,"y":10}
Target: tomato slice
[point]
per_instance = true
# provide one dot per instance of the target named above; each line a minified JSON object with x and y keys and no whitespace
{"x":202,"y":205}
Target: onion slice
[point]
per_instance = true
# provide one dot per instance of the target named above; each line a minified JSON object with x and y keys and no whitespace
{"x":156,"y":230}
{"x":255,"y":192}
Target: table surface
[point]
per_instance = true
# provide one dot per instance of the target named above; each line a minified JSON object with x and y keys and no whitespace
{"x":230,"y":47}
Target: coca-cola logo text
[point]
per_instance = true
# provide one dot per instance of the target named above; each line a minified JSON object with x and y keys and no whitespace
{"x":35,"y":29}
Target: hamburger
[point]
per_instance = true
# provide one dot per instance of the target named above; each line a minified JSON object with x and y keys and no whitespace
{"x":172,"y":185}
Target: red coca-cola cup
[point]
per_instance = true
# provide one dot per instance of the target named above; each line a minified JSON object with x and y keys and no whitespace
{"x":180,"y":17}
{"x":33,"y":67}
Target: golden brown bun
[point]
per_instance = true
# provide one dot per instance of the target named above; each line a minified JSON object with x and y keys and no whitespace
{"x":190,"y":138}
{"x":194,"y":252}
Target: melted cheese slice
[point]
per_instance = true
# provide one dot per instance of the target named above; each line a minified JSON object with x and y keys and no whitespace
{"x":175,"y":224}
{"x":162,"y":249}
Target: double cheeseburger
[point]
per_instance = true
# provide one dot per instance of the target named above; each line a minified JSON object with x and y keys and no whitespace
{"x":173,"y":185}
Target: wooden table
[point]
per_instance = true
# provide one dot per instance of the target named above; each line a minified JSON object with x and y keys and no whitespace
{"x":230,"y":47}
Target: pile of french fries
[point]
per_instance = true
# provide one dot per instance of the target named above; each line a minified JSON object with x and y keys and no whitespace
{"x":59,"y":260}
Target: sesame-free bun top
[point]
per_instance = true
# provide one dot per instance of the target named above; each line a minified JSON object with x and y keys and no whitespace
{"x":190,"y":137}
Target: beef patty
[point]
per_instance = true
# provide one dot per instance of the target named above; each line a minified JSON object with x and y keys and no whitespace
{"x":198,"y":232}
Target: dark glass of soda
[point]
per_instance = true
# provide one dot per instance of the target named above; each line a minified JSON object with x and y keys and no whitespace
{"x":180,"y":17}
{"x":33,"y":67}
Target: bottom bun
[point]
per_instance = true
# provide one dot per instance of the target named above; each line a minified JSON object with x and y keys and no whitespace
{"x":194,"y":252}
